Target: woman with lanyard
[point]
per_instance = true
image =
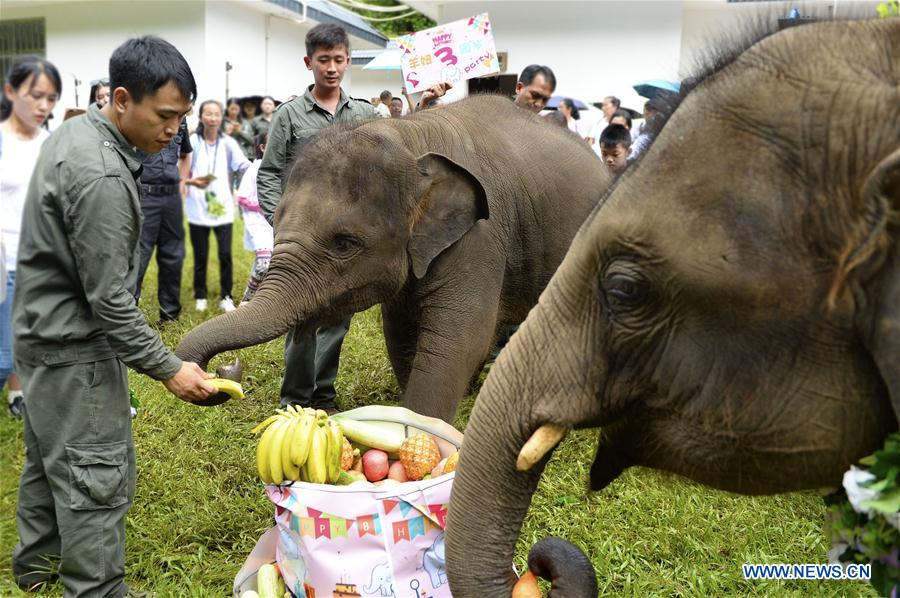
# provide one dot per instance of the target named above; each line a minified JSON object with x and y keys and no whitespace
{"x":210,"y":205}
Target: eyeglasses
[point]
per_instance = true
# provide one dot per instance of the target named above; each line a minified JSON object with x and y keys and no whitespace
{"x":104,"y":81}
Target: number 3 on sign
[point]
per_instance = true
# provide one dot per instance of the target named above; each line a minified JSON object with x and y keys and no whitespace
{"x":446,"y":55}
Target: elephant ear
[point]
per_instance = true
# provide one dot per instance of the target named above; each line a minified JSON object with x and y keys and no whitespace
{"x":878,"y":317}
{"x":451,"y":200}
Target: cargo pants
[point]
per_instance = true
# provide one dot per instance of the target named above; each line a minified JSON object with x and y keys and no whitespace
{"x":79,"y":475}
{"x":311,"y":366}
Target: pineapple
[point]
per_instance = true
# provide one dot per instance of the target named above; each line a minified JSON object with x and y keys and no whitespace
{"x":348,"y":455}
{"x":419,"y":454}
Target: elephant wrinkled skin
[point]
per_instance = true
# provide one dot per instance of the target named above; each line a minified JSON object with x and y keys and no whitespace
{"x":730,"y":312}
{"x":453,"y":219}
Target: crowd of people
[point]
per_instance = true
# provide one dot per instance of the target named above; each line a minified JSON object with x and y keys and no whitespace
{"x":84,"y":209}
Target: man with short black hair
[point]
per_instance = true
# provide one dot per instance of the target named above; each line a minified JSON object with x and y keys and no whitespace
{"x":77,"y":326}
{"x":535,"y":86}
{"x":310,"y":362}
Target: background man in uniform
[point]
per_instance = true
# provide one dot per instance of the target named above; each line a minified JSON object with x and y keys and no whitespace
{"x":163,"y":228}
{"x":310,"y":365}
{"x":535,"y":86}
{"x":77,"y":326}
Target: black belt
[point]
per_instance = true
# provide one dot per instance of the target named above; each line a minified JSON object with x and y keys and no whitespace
{"x":159,"y":189}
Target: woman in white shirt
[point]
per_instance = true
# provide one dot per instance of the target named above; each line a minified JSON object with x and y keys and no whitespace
{"x":30,"y":93}
{"x":210,"y":205}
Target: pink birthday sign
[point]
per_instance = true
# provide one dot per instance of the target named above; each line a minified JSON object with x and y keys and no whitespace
{"x":452,"y":52}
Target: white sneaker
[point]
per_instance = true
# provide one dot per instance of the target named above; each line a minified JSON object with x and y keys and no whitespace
{"x":227,"y":304}
{"x":201,"y":305}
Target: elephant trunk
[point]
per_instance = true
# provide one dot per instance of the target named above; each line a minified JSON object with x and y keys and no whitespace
{"x":569,"y":570}
{"x":264,"y":318}
{"x":490,"y":494}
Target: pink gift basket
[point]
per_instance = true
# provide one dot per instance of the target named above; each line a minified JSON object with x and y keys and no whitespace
{"x":360,"y":540}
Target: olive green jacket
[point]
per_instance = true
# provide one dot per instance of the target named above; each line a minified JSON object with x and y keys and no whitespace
{"x":294,"y":121}
{"x":79,"y":255}
{"x":259,"y":125}
{"x":246,"y":139}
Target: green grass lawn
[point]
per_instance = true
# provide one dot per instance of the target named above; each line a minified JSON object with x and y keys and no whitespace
{"x":200,"y":506}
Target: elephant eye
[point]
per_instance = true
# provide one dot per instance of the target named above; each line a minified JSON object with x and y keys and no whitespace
{"x":623,"y":291}
{"x":345,"y":245}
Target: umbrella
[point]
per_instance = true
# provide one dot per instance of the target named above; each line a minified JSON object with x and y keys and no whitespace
{"x":654,"y":87}
{"x":388,"y":60}
{"x":553,"y":102}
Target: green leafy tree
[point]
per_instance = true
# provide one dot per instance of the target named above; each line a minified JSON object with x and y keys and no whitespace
{"x":395,"y":27}
{"x":890,"y":8}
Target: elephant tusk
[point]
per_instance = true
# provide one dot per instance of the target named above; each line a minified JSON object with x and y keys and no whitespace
{"x":541,"y":442}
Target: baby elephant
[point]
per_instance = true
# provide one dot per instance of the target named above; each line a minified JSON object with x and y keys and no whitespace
{"x":453,"y":219}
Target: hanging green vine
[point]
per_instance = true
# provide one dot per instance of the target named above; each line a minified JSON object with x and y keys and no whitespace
{"x":410,"y":24}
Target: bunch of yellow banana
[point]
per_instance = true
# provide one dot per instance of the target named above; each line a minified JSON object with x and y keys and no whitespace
{"x":299,"y":445}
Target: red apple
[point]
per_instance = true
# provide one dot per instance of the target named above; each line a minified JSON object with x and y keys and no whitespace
{"x":397,"y":472}
{"x":375,"y":465}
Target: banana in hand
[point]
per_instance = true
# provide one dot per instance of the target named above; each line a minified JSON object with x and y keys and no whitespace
{"x":229,"y":387}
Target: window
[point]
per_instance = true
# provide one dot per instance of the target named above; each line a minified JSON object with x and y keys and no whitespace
{"x":18,"y":37}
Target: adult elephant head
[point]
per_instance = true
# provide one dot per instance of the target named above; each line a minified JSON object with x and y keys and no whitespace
{"x":730,"y":312}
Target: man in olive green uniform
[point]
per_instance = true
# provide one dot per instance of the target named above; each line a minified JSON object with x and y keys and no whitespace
{"x":76,"y":325}
{"x":311,"y":364}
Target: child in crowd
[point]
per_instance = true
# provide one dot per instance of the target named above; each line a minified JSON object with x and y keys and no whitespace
{"x":258,"y":233}
{"x":615,"y":144}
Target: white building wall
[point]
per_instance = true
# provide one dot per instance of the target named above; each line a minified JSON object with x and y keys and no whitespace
{"x":594,"y":48}
{"x":82,"y":35}
{"x":233,"y":34}
{"x":370,"y":84}
{"x":266,"y":51}
{"x":711,"y":23}
{"x":286,"y":74}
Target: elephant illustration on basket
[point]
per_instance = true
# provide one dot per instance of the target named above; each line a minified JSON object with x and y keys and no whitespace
{"x":433,"y":562}
{"x":382,"y":582}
